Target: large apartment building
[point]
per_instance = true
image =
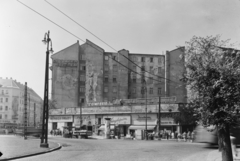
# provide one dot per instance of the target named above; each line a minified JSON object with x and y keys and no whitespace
{"x":103,"y":83}
{"x":12,"y":104}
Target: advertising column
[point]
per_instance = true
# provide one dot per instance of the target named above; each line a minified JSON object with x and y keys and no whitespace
{"x":107,"y":128}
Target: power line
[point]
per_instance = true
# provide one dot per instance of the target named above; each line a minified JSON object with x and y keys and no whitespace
{"x":90,"y":44}
{"x":99,"y":38}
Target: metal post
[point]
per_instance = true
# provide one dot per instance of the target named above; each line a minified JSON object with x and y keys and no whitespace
{"x":159,"y":118}
{"x":34,"y":114}
{"x":146,"y":116}
{"x":25,"y":113}
{"x":44,"y":138}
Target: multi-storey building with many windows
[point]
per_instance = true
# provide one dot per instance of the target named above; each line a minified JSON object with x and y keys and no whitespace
{"x":120,"y":85}
{"x":12,"y":104}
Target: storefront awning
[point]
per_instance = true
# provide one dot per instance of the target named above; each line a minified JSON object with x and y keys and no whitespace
{"x":143,"y":127}
{"x":103,"y":127}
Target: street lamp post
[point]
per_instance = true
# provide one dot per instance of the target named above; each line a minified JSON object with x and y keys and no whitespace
{"x":44,"y":137}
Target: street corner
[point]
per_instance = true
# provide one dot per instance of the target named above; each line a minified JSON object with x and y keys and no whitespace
{"x":25,"y":148}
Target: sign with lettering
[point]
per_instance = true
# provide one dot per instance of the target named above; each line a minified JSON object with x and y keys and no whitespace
{"x":86,"y":120}
{"x":118,"y":120}
{"x":65,"y":63}
{"x":70,"y":111}
{"x":59,"y":111}
{"x":140,"y":119}
{"x":60,"y":119}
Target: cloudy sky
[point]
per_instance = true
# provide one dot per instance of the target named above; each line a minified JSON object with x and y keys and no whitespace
{"x":140,"y":26}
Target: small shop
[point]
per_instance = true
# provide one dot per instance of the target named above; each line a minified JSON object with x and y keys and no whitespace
{"x":138,"y":127}
{"x":58,"y":122}
{"x":118,"y":125}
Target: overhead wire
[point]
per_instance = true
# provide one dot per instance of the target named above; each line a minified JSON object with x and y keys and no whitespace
{"x":90,"y":44}
{"x":100,"y":39}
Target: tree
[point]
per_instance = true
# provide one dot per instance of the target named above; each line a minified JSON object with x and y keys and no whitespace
{"x":186,"y":115}
{"x":213,"y":77}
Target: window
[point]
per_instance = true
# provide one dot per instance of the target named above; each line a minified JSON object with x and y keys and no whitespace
{"x":6,"y":116}
{"x":6,"y":108}
{"x":82,"y":56}
{"x":134,"y":59}
{"x":2,"y":91}
{"x":106,"y":67}
{"x":159,"y":70}
{"x":81,"y":100}
{"x":106,"y":57}
{"x":115,"y":68}
{"x":134,"y":79}
{"x":6,"y":91}
{"x":143,"y":68}
{"x":151,"y":91}
{"x":142,"y":59}
{"x":114,"y":89}
{"x":82,"y":67}
{"x":1,"y":100}
{"x":6,"y":99}
{"x":0,"y":116}
{"x":105,"y":89}
{"x":151,"y":59}
{"x":99,"y":121}
{"x":159,"y":60}
{"x":150,"y":80}
{"x":134,"y":90}
{"x":114,"y":98}
{"x":114,"y":57}
{"x":159,"y":91}
{"x":82,"y":78}
{"x":0,"y":108}
{"x":106,"y":79}
{"x":151,"y":69}
{"x":135,"y":68}
{"x":82,"y":89}
{"x":114,"y":79}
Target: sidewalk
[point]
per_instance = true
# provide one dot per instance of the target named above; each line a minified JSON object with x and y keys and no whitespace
{"x":217,"y":156}
{"x":14,"y":147}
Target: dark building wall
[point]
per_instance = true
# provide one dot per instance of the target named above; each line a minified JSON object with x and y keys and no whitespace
{"x":154,"y":64}
{"x":174,"y":72}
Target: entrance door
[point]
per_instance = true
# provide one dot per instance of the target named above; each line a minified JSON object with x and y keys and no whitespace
{"x":54,"y":125}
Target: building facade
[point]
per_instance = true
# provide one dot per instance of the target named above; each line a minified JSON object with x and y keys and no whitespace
{"x":120,"y":85}
{"x":12,"y":104}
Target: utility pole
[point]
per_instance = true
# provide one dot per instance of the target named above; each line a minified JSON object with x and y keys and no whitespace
{"x":159,"y":117}
{"x":29,"y":113}
{"x":25,"y":112}
{"x":44,"y":137}
{"x":34,"y":115}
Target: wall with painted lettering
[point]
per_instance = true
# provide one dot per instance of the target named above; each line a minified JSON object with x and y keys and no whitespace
{"x":119,"y":120}
{"x":140,"y":119}
{"x":86,"y":120}
{"x":60,"y":119}
{"x":64,"y":76}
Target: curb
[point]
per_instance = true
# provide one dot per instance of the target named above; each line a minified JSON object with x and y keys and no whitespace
{"x":34,"y":154}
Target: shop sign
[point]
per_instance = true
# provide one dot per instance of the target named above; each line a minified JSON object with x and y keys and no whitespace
{"x":118,"y":120}
{"x":59,"y":111}
{"x":65,"y":63}
{"x":70,"y":110}
{"x":5,"y":121}
{"x":91,"y":104}
{"x":60,"y":119}
{"x":86,"y":120}
{"x":140,"y":119}
{"x":102,"y":110}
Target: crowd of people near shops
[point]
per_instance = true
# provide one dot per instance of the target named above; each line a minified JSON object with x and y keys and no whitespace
{"x":65,"y":133}
{"x":56,"y":132}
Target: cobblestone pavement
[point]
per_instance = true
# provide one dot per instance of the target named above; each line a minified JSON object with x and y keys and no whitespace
{"x":15,"y":146}
{"x":122,"y":150}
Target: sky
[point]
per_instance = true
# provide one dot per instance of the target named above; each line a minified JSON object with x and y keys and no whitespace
{"x":140,"y":26}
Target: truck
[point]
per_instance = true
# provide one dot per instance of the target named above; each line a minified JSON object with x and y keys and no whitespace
{"x":82,"y":132}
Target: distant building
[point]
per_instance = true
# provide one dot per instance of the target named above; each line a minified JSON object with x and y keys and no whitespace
{"x":12,"y":104}
{"x":107,"y":84}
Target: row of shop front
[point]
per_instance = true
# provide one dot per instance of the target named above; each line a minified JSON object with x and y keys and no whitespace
{"x":122,"y":124}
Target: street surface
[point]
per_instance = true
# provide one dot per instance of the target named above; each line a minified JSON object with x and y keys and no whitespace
{"x":123,"y":150}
